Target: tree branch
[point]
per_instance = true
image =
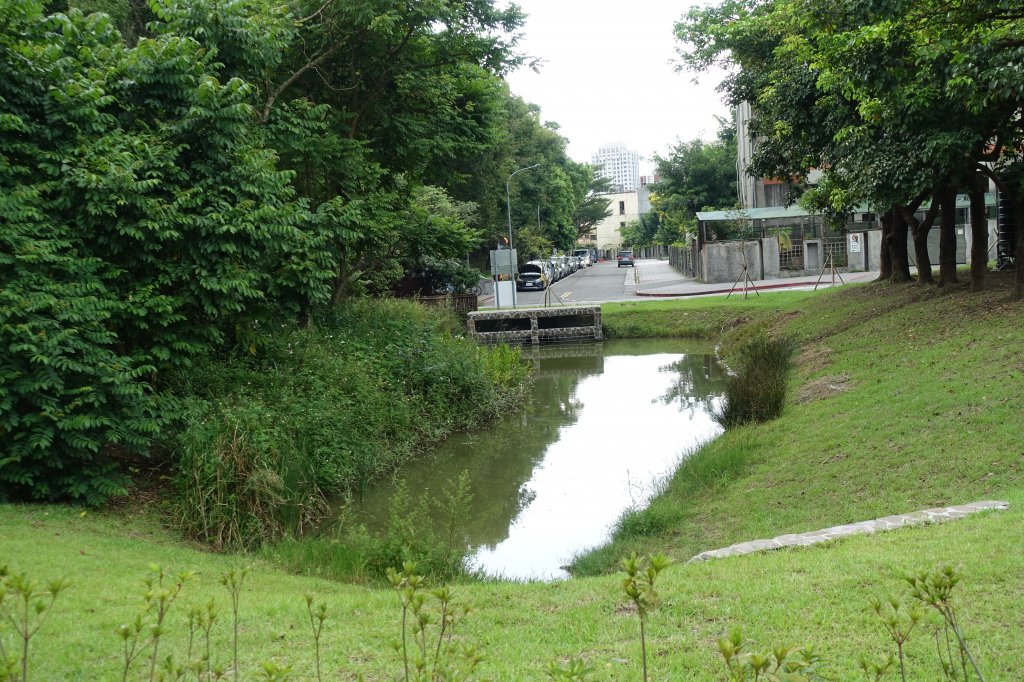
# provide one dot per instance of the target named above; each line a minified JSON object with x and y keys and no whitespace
{"x":312,"y":63}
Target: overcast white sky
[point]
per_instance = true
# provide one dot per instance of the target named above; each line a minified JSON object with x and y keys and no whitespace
{"x":607,"y":75}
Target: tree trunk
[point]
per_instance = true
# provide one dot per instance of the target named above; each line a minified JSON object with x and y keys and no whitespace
{"x":979,"y":232}
{"x":1018,"y":285}
{"x":340,"y":289}
{"x":924,"y":260}
{"x":920,"y":230}
{"x":885,"y":264}
{"x":898,"y":249}
{"x":947,"y":236}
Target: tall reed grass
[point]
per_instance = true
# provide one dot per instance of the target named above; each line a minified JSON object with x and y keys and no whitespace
{"x":325,"y":410}
{"x":756,"y":392}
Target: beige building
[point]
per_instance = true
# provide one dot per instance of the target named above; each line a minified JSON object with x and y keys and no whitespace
{"x":625,"y":207}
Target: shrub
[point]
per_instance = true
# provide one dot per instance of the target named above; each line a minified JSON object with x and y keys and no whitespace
{"x":327,"y":408}
{"x":243,"y":478}
{"x":144,"y":222}
{"x":757,"y":391}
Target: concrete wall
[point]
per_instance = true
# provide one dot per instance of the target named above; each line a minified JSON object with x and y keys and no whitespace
{"x":723,"y":261}
{"x":770,"y":257}
{"x":869,"y":258}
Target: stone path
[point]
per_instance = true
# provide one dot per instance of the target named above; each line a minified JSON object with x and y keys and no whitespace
{"x":937,"y":515}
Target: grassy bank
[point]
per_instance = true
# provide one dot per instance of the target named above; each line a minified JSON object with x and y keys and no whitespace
{"x":817,"y":597}
{"x":266,"y":437}
{"x":902,"y":398}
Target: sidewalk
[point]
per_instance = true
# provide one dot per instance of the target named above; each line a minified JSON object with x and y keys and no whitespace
{"x":656,"y":278}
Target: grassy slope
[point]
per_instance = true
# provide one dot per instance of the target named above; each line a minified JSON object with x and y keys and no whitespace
{"x":932,"y":414}
{"x":814,"y":596}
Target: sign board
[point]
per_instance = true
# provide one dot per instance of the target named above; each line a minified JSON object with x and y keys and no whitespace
{"x":854,"y":243}
{"x":503,"y":262}
{"x":505,"y":294}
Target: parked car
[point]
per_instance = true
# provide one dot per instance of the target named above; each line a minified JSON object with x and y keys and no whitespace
{"x":544,"y":267}
{"x":556,"y":269}
{"x":561,"y":267}
{"x":626,"y":258}
{"x":530,"y":281}
{"x":584,"y":256}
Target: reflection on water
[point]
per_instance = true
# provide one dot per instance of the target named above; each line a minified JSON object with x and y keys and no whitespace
{"x":604,"y":424}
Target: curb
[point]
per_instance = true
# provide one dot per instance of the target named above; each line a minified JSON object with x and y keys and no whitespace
{"x":787,"y":285}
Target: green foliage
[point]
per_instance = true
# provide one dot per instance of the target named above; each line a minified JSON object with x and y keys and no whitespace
{"x":427,"y":645}
{"x":757,"y":391}
{"x":595,"y":206}
{"x":934,"y":589}
{"x":25,"y":606}
{"x":696,"y":176}
{"x":899,"y":623}
{"x":641,"y":575}
{"x":448,"y":276}
{"x":133,"y":239}
{"x":327,"y":408}
{"x":781,"y":664}
{"x":576,"y":670}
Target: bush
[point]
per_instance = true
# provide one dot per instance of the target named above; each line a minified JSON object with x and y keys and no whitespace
{"x":757,"y":391}
{"x":333,"y":407}
{"x":243,"y":478}
{"x":144,"y":221}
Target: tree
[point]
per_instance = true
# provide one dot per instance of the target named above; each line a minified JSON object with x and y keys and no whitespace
{"x":594,"y":207}
{"x":696,"y":176}
{"x":144,"y":222}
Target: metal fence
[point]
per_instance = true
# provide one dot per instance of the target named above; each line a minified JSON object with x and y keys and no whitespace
{"x":460,"y":303}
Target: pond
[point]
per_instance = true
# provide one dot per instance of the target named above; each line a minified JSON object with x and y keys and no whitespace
{"x":605,"y":423}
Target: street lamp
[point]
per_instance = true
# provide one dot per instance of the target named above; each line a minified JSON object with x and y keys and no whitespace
{"x":508,"y":200}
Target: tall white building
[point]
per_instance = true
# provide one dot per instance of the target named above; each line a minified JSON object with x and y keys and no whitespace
{"x":620,"y":165}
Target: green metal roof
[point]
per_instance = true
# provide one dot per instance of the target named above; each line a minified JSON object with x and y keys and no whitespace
{"x":795,"y":211}
{"x":753,"y":213}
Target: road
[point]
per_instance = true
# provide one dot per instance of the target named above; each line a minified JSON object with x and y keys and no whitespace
{"x":599,"y":283}
{"x":606,"y":282}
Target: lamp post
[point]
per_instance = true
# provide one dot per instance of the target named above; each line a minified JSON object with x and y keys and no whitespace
{"x":508,"y":200}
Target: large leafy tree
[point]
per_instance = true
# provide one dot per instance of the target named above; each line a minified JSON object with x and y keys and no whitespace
{"x":695,"y":176}
{"x":897,"y":102}
{"x":144,"y":222}
{"x":595,"y":207}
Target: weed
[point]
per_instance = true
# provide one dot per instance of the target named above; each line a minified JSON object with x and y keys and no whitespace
{"x":781,"y":664}
{"x":935,"y":589}
{"x":899,"y":621}
{"x":145,"y":632}
{"x":233,"y":580}
{"x":271,"y":672}
{"x":876,"y":668}
{"x":430,"y":657}
{"x":317,"y":616}
{"x":576,"y":670}
{"x":641,"y":574}
{"x":26,"y":606}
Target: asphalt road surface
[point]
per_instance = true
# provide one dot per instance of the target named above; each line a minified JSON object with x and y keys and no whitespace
{"x":597,"y":284}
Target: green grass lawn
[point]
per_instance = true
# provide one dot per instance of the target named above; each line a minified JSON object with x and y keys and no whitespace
{"x":903,"y":398}
{"x":817,"y":596}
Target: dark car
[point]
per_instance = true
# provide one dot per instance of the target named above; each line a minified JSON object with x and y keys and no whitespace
{"x":530,"y":278}
{"x":626,"y":258}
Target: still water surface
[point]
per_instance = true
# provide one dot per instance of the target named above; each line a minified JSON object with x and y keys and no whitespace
{"x":605,"y":423}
